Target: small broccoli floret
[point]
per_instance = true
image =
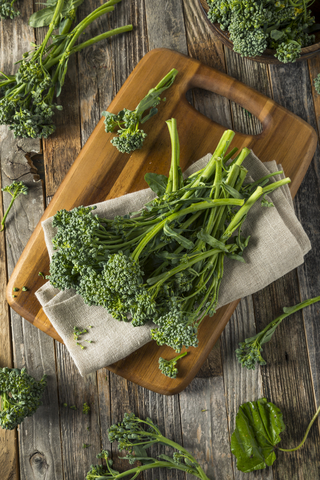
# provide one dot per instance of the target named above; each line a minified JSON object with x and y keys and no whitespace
{"x":316,"y":83}
{"x":7,"y":10}
{"x":15,"y":189}
{"x":168,"y":367}
{"x":20,"y":396}
{"x":173,"y":330}
{"x":288,"y":52}
{"x":126,"y":123}
{"x":86,"y":408}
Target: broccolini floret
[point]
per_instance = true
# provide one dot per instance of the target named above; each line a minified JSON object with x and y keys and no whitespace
{"x":126,"y":123}
{"x":15,"y":189}
{"x":136,"y":436}
{"x":168,"y":367}
{"x":255,"y":26}
{"x":7,"y":10}
{"x":249,"y":351}
{"x":20,"y":396}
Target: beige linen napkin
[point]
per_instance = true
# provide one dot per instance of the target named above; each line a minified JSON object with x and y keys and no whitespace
{"x":277,"y":245}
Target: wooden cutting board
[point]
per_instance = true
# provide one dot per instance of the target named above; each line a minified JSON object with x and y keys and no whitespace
{"x":100,"y":172}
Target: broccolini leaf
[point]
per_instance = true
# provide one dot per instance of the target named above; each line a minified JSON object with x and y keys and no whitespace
{"x":157,"y":183}
{"x":258,"y":428}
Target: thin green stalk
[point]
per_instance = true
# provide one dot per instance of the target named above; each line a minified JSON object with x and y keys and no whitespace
{"x":305,"y":436}
{"x":6,"y":213}
{"x":192,"y":209}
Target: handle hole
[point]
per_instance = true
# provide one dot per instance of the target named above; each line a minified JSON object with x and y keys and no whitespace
{"x":222,"y":111}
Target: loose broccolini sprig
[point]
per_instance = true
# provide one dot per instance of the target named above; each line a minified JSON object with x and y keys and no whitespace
{"x":135,"y":436}
{"x":15,"y":189}
{"x":20,"y":396}
{"x":168,"y":367}
{"x":126,"y":123}
{"x":249,"y":351}
{"x":7,"y":10}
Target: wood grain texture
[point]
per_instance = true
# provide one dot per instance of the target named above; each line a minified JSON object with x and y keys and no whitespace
{"x":205,"y":427}
{"x":75,"y":390}
{"x":8,"y":438}
{"x":292,"y":88}
{"x":86,"y":184}
{"x":287,"y":379}
{"x":240,"y":384}
{"x":31,"y":348}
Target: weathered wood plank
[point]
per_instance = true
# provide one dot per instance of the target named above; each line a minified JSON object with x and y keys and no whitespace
{"x":205,"y":427}
{"x":240,"y":385}
{"x":39,"y":434}
{"x":9,"y":465}
{"x":32,"y":349}
{"x":287,"y":378}
{"x":77,"y":428}
{"x":292,"y":89}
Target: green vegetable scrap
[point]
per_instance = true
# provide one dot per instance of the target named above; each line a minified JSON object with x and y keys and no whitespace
{"x":135,"y":436}
{"x":73,"y":407}
{"x":24,"y":289}
{"x":164,"y":263}
{"x":20,"y":396}
{"x":15,"y":189}
{"x":168,"y":367}
{"x":258,"y":428}
{"x":7,"y":10}
{"x":284,"y":26}
{"x":40,"y":274}
{"x":77,"y":333}
{"x":86,"y":445}
{"x":126,"y":123}
{"x":86,"y":408}
{"x":27,"y":98}
{"x":249,"y":351}
{"x":316,"y":83}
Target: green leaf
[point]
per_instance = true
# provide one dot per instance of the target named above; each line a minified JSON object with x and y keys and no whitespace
{"x":258,"y":425}
{"x":170,"y":232}
{"x":210,"y":240}
{"x":232,"y":191}
{"x":157,"y":183}
{"x":42,"y":18}
{"x":276,"y":34}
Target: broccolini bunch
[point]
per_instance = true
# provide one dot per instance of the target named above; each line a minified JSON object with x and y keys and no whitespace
{"x":15,"y":189}
{"x":7,"y":10}
{"x":136,"y":436}
{"x":126,"y":123}
{"x":254,"y":25}
{"x":27,"y":98}
{"x":164,"y":263}
{"x":20,"y":396}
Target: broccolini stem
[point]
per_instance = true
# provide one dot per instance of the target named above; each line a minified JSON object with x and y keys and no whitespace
{"x":52,"y":26}
{"x":305,"y":436}
{"x":175,"y":154}
{"x":3,"y":221}
{"x":192,"y":209}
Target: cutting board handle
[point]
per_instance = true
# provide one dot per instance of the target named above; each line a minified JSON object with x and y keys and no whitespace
{"x":217,"y":82}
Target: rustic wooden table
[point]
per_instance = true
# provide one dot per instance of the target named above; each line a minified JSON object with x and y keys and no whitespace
{"x":49,"y":446}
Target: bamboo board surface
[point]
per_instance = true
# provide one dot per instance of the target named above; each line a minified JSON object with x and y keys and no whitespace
{"x":101,"y":172}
